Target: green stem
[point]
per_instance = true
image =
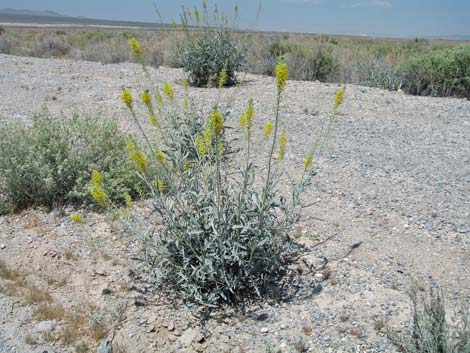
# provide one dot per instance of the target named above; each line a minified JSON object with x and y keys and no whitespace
{"x":276,"y":125}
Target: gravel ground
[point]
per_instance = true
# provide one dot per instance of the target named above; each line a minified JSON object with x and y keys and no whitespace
{"x":393,"y":194}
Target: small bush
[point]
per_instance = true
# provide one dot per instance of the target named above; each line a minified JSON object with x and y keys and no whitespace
{"x":205,"y":56}
{"x":438,"y":73}
{"x":378,"y":73}
{"x":430,"y":332}
{"x":50,"y":47}
{"x":50,"y":161}
{"x":209,"y":47}
{"x":2,"y":30}
{"x":307,"y":64}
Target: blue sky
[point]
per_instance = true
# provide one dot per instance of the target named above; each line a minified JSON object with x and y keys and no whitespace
{"x":356,"y":17}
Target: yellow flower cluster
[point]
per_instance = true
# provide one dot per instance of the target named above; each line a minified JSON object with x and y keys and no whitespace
{"x":246,"y":119}
{"x":186,"y":85}
{"x":308,"y":162}
{"x":217,"y":122}
{"x":77,"y":218}
{"x":128,"y":200}
{"x":97,"y":188}
{"x":168,"y":90}
{"x":135,"y":47}
{"x":137,"y":157}
{"x":282,"y":75}
{"x":282,"y":146}
{"x":126,"y":97}
{"x":153,"y":120}
{"x":204,"y":142}
{"x":339,"y":97}
{"x":146,"y":99}
{"x":223,"y":77}
{"x":201,"y":146}
{"x":268,"y":128}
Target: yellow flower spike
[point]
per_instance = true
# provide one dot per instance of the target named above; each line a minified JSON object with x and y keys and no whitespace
{"x":161,"y":157}
{"x":126,"y":97}
{"x":201,"y":146}
{"x":98,"y":195}
{"x":268,"y":128}
{"x":168,"y":90}
{"x":186,"y":103}
{"x":173,"y":23}
{"x":217,"y":122}
{"x":196,"y":15}
{"x":96,"y":178}
{"x":339,"y":97}
{"x":135,"y":47}
{"x":220,"y":148}
{"x":186,"y":85}
{"x":128,"y":200}
{"x":282,"y":75}
{"x":204,"y":4}
{"x":308,"y":162}
{"x":208,"y":137}
{"x":223,"y":77}
{"x":77,"y":218}
{"x":249,"y":114}
{"x":146,"y":99}
{"x":153,"y":120}
{"x":137,"y":157}
{"x":282,"y":146}
{"x":160,"y":185}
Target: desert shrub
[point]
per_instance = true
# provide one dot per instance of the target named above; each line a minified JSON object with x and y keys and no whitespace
{"x":438,"y":73}
{"x":110,"y":51}
{"x":205,"y":56}
{"x":430,"y":331}
{"x":50,"y":161}
{"x":2,"y":30}
{"x":221,"y":233}
{"x":378,"y":73}
{"x":49,"y":47}
{"x":209,"y":47}
{"x":307,"y":64}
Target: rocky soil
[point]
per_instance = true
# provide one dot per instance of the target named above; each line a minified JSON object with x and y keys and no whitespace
{"x":391,"y":204}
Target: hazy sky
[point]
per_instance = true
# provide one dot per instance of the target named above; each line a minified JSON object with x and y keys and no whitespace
{"x":358,"y":17}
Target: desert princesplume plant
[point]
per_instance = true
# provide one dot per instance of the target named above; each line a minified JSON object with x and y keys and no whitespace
{"x":220,"y":234}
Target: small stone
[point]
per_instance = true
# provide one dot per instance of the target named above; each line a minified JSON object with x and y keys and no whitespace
{"x":264,"y":330}
{"x":151,"y":329}
{"x":2,"y":246}
{"x":171,"y":326}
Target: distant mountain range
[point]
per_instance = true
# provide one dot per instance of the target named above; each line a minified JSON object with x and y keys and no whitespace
{"x":30,"y":13}
{"x":52,"y":17}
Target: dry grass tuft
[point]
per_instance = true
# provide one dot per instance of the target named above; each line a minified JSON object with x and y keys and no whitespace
{"x":49,"y":312}
{"x":36,"y":295}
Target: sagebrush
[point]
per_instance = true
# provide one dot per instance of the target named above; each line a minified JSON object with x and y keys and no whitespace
{"x":49,"y":162}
